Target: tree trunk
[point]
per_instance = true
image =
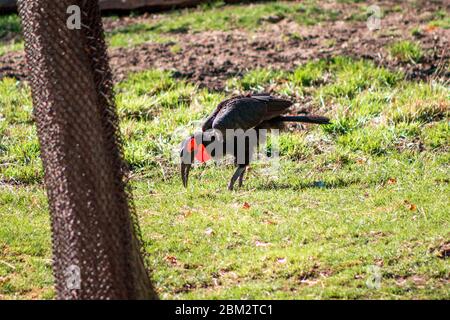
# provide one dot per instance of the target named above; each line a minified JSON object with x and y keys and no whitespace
{"x":95,"y":234}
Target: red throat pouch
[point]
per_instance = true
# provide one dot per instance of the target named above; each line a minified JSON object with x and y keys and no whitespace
{"x":192,"y":145}
{"x":202,"y":154}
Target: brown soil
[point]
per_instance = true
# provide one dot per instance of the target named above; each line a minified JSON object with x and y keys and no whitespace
{"x":210,"y":58}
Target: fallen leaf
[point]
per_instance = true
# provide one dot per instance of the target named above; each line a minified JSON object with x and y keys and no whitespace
{"x":430,"y":28}
{"x":172,"y":260}
{"x":392,"y":181}
{"x":270,"y":222}
{"x":360,"y":161}
{"x":246,"y":205}
{"x":187,"y":213}
{"x":409,"y":205}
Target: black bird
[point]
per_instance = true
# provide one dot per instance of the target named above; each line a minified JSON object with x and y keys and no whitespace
{"x":257,"y":111}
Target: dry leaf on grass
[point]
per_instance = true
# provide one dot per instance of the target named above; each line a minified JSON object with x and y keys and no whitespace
{"x":361,"y":161}
{"x":410,"y":206}
{"x":172,"y":260}
{"x":187,"y":213}
{"x":391,"y":181}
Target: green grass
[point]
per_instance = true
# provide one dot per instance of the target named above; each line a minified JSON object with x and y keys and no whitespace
{"x":19,"y":149}
{"x":369,"y":189}
{"x":220,"y":17}
{"x":257,"y":80}
{"x":217,"y":16}
{"x":9,"y":24}
{"x":313,"y":242}
{"x":25,"y":254}
{"x":419,"y":102}
{"x":203,"y":18}
{"x":406,"y":51}
{"x":11,"y":46}
{"x":133,"y":35}
{"x":10,"y":38}
{"x":441,"y":19}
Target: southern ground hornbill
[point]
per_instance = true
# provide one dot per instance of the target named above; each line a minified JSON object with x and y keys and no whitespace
{"x":238,"y":116}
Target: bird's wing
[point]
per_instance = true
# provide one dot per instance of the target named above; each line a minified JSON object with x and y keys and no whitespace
{"x":275,"y":106}
{"x":208,"y":124}
{"x":248,"y":112}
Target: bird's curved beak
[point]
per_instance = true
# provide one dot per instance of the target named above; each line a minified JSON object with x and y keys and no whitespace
{"x":185,"y":168}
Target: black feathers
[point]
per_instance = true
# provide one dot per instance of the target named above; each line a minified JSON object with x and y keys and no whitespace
{"x":246,"y":112}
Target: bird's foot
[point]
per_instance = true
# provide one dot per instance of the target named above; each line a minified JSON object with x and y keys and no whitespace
{"x":239,"y":174}
{"x":241,"y":179}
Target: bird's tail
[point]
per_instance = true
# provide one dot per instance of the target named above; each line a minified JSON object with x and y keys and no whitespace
{"x":304,"y":119}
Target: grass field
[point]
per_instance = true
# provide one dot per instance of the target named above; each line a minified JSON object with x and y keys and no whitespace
{"x":368,"y":192}
{"x":208,"y":17}
{"x":217,"y":16}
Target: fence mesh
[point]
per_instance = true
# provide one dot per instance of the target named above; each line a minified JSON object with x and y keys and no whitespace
{"x":96,"y":238}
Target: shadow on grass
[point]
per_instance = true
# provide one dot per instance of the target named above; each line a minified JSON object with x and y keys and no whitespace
{"x":339,"y":183}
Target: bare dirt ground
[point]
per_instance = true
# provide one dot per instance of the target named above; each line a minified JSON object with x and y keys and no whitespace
{"x":210,"y":58}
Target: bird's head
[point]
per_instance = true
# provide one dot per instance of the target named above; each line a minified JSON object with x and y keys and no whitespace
{"x":194,"y":149}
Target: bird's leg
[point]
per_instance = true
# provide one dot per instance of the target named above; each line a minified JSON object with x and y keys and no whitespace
{"x":241,"y":177}
{"x":239,"y":172}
